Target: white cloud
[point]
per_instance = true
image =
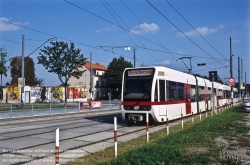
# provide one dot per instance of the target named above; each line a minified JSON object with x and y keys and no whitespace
{"x":145,"y":28}
{"x":106,"y":29}
{"x":202,"y":30}
{"x":10,"y":27}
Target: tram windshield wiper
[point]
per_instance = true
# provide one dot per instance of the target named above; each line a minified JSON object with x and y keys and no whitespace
{"x":144,"y":94}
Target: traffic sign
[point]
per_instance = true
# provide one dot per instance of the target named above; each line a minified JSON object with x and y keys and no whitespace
{"x":231,"y":82}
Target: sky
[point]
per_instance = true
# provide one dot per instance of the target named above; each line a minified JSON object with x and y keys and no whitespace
{"x":178,"y":34}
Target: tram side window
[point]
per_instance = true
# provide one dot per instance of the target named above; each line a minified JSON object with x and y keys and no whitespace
{"x":220,"y":93}
{"x":175,"y":91}
{"x":172,"y":91}
{"x":226,"y":94}
{"x":209,"y":92}
{"x":180,"y":91}
{"x":193,"y":93}
{"x":201,"y":93}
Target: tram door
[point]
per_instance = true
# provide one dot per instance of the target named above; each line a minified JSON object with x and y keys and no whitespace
{"x":187,"y":88}
{"x":162,"y":97}
{"x":162,"y":90}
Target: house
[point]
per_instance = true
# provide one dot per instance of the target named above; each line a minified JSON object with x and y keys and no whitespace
{"x":100,"y":88}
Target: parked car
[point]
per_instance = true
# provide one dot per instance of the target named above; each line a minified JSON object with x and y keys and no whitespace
{"x":246,"y":106}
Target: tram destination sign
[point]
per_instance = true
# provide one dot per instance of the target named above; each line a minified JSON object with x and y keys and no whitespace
{"x":231,"y":82}
{"x":138,"y":72}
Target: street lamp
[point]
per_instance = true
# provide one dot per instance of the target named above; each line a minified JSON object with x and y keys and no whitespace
{"x":23,"y":79}
{"x":128,"y":48}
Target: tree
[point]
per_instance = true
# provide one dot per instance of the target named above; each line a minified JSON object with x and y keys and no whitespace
{"x":16,"y":70}
{"x":64,"y":60}
{"x":144,"y":65}
{"x":38,"y":81}
{"x":115,"y":71}
{"x":3,"y":70}
{"x":3,"y":67}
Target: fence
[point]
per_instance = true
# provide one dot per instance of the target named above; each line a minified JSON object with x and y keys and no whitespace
{"x":43,"y":109}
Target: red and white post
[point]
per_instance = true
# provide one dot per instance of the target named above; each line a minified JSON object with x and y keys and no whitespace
{"x":200,"y":114}
{"x":167,"y":122}
{"x":115,"y":135}
{"x":57,"y":146}
{"x":192,"y":117}
{"x":206,"y":112}
{"x":147,"y":127}
{"x":181,"y":119}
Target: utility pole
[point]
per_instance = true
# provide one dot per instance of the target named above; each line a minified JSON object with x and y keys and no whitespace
{"x":91,"y":78}
{"x":134,"y":57}
{"x":1,"y":80}
{"x":23,"y":79}
{"x":231,"y":69}
{"x":239,"y":88}
{"x":242,"y":91}
{"x":245,"y":84}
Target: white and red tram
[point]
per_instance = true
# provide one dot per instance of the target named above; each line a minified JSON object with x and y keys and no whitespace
{"x":166,"y":93}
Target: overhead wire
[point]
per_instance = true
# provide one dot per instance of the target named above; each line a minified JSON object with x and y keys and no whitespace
{"x":196,"y":30}
{"x":75,"y":41}
{"x":130,"y":31}
{"x":15,"y":42}
{"x":78,"y":42}
{"x":95,"y":47}
{"x":117,"y":20}
{"x":175,"y":53}
{"x":149,"y":31}
{"x":182,"y":32}
{"x":110,"y":22}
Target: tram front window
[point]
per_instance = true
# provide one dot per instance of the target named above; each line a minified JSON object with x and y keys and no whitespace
{"x":137,"y":89}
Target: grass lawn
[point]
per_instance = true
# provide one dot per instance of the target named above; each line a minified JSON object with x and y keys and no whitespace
{"x":223,"y":138}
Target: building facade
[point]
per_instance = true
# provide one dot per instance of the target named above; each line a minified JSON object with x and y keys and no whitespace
{"x":100,"y":90}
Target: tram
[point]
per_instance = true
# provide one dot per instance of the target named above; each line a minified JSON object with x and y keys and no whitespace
{"x":163,"y":92}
